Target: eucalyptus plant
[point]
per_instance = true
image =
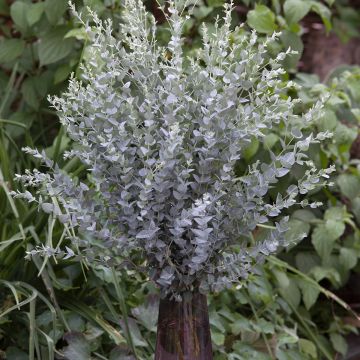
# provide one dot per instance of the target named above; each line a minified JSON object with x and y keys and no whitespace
{"x":160,"y":134}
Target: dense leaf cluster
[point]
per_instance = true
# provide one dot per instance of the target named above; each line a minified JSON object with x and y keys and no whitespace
{"x":161,"y":140}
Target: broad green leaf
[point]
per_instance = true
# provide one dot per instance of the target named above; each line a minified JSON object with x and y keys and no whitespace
{"x":30,"y":95}
{"x":348,"y":258}
{"x":349,"y":185}
{"x":53,"y":47}
{"x":308,"y":347}
{"x":217,"y":338}
{"x":295,"y":10}
{"x":62,"y":73}
{"x":336,"y":213}
{"x":240,"y":324}
{"x":324,"y":13}
{"x":19,"y":11}
{"x":305,"y":261}
{"x":10,"y":49}
{"x":34,"y":13}
{"x":55,"y":9}
{"x":297,"y":230}
{"x":79,"y":34}
{"x":262,"y":19}
{"x":328,"y":121}
{"x":320,"y":273}
{"x":291,"y":293}
{"x":294,"y":42}
{"x":270,"y":140}
{"x":78,"y":347}
{"x":339,"y":343}
{"x":324,"y":236}
{"x":147,"y":314}
{"x":309,"y":293}
{"x":251,"y":149}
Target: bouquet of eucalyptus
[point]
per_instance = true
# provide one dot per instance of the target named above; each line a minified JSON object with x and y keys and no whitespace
{"x":160,"y":134}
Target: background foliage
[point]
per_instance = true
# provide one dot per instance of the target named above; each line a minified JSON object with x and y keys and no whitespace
{"x":288,"y":311}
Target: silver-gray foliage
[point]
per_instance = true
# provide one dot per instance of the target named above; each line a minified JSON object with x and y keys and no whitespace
{"x":160,"y":134}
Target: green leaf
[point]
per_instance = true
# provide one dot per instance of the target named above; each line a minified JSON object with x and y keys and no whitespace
{"x":349,"y":185}
{"x":10,"y":49}
{"x":262,"y":19}
{"x":308,"y":347}
{"x":270,"y":140}
{"x":324,"y":236}
{"x":339,"y":343}
{"x":309,"y":292}
{"x":328,"y":121}
{"x":30,"y":95}
{"x":18,"y":12}
{"x":293,"y":41}
{"x":251,"y":149}
{"x":297,"y":230}
{"x":348,"y":258}
{"x":291,"y":293}
{"x":78,"y":348}
{"x":305,"y":261}
{"x":217,"y":338}
{"x":55,"y":9}
{"x":147,"y":314}
{"x":79,"y":34}
{"x":295,"y":10}
{"x":34,"y":13}
{"x":320,"y":273}
{"x":53,"y":47}
{"x":62,"y":73}
{"x":324,"y":13}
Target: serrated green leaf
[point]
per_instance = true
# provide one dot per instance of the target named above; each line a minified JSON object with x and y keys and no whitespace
{"x":262,"y":19}
{"x":55,"y":9}
{"x":53,"y":47}
{"x":10,"y":49}
{"x":295,"y":10}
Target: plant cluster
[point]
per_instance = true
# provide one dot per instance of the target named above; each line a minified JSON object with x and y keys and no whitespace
{"x":161,"y":139}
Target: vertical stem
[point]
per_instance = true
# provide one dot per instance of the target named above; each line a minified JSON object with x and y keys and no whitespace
{"x":184,"y":329}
